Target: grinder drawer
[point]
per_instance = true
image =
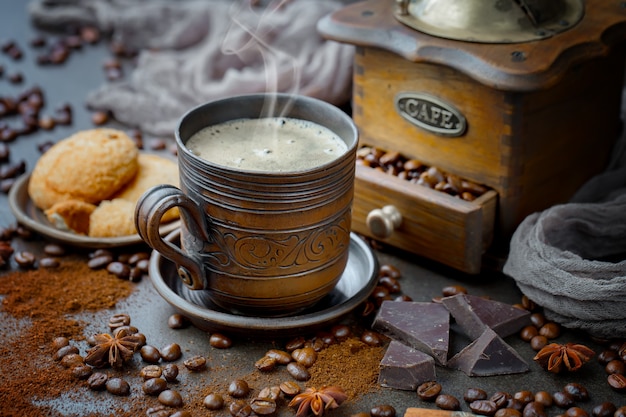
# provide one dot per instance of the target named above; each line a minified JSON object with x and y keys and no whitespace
{"x":433,"y":224}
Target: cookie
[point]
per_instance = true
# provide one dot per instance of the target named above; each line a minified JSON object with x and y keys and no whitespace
{"x":153,"y":170}
{"x":113,"y":218}
{"x":89,"y":166}
{"x":71,"y":215}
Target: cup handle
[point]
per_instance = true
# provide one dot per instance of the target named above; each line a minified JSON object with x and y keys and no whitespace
{"x":148,"y":213}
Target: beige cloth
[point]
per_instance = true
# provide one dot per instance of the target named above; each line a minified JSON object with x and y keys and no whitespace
{"x":199,"y":50}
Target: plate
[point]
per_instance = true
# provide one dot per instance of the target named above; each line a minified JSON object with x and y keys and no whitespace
{"x":32,"y":217}
{"x":355,"y":285}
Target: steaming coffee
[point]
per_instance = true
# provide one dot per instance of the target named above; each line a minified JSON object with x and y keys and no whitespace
{"x":278,"y":144}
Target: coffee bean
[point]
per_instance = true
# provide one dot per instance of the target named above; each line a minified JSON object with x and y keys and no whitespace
{"x":298,"y":372}
{"x":483,"y":407}
{"x":181,"y":413}
{"x":452,"y":290}
{"x":213,"y":402}
{"x":240,"y":409}
{"x":99,"y":118}
{"x":177,"y":321}
{"x":383,"y":410}
{"x":515,"y":404}
{"x":295,"y":343}
{"x":607,"y":356}
{"x":171,"y":398}
{"x":97,"y":381}
{"x":391,"y":271}
{"x":524,"y":396}
{"x":474,"y":394}
{"x":605,"y":409}
{"x":154,"y":386}
{"x":371,"y":338}
{"x":49,"y":262}
{"x":544,"y":398}
{"x":305,"y":356}
{"x":508,"y":412}
{"x":195,"y":363}
{"x":171,"y":352}
{"x":501,"y":398}
{"x":118,"y":386}
{"x":534,"y":409}
{"x":447,"y":402}
{"x":428,"y":391}
{"x":220,"y":341}
{"x":290,"y":388}
{"x":538,"y":320}
{"x":538,"y":342}
{"x":100,"y":262}
{"x":563,"y":399}
{"x":616,"y":366}
{"x":263,"y":406}
{"x":82,"y":372}
{"x":170,"y":372}
{"x":575,"y":412}
{"x":25,"y":259}
{"x":620,"y":412}
{"x":391,"y":284}
{"x":238,"y":388}
{"x":577,"y":391}
{"x":150,"y":354}
{"x":63,"y":351}
{"x":341,"y":332}
{"x":150,"y":371}
{"x":119,"y":269}
{"x":158,"y":411}
{"x":617,"y":382}
{"x":282,"y":357}
{"x":71,"y":360}
{"x":59,"y":342}
{"x":265,"y":364}
{"x":528,"y":332}
{"x":119,"y":320}
{"x":551,"y":330}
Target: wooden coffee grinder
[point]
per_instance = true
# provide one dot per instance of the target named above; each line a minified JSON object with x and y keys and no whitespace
{"x":521,"y":96}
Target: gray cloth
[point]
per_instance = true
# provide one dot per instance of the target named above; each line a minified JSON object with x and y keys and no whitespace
{"x":571,"y":258}
{"x":200,"y":50}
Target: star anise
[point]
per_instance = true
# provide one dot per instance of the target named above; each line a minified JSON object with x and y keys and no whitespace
{"x":317,"y":401}
{"x":556,"y":358}
{"x":112,"y":350}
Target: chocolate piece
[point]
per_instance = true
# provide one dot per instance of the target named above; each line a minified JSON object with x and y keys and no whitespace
{"x":424,"y":326}
{"x":488,"y":355}
{"x":473,"y":314}
{"x":405,"y":368}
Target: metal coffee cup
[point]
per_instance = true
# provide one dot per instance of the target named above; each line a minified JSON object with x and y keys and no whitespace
{"x":261,"y":243}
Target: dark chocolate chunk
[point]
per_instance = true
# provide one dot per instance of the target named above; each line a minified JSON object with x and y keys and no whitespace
{"x":405,"y":368}
{"x":473,"y":314}
{"x":488,"y":355}
{"x":423,"y":326}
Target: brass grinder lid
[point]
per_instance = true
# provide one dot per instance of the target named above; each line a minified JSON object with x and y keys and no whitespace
{"x":490,"y":21}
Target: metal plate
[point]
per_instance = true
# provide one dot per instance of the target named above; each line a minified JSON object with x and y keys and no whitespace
{"x":355,"y":285}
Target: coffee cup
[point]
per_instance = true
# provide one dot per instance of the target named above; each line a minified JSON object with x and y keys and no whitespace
{"x":260,"y":240}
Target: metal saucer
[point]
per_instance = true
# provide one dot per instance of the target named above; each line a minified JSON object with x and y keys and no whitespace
{"x":355,"y":285}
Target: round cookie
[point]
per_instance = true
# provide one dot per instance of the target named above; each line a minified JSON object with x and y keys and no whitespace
{"x":113,"y":218}
{"x":71,"y":215}
{"x":89,"y":166}
{"x":153,"y":170}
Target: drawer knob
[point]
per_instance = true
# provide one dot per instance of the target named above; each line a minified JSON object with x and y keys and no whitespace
{"x":382,"y":222}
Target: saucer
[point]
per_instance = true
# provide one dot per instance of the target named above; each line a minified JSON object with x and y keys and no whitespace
{"x":32,"y":217}
{"x":355,"y":285}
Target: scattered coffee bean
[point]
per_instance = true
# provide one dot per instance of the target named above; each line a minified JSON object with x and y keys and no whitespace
{"x":534,"y":409}
{"x":97,"y":381}
{"x":171,"y":398}
{"x":59,"y":342}
{"x":154,"y":386}
{"x":615,"y":366}
{"x":474,"y":394}
{"x":371,"y":338}
{"x":49,"y":262}
{"x":341,"y":332}
{"x":100,"y":262}
{"x":447,"y":402}
{"x":429,"y":391}
{"x":150,"y":354}
{"x":305,"y":356}
{"x":617,"y":382}
{"x":282,"y":357}
{"x":119,"y":269}
{"x":391,"y":271}
{"x":263,"y":406}
{"x":240,"y":409}
{"x":82,"y":372}
{"x":177,"y":321}
{"x":238,"y":388}
{"x":65,"y":350}
{"x":118,"y":386}
{"x":150,"y":371}
{"x":538,"y":342}
{"x":451,"y":290}
{"x":483,"y":407}
{"x":551,"y":330}
{"x":605,"y":409}
{"x":53,"y":249}
{"x":575,"y":412}
{"x":290,"y":388}
{"x":265,"y":364}
{"x":607,"y":356}
{"x":119,"y":320}
{"x":25,"y":259}
{"x":508,"y":412}
{"x":71,"y":360}
{"x":577,"y":391}
{"x":524,"y":396}
{"x":213,"y":402}
{"x":298,"y":372}
{"x":170,"y":372}
{"x":383,"y":410}
{"x":158,"y":411}
{"x":195,"y":363}
{"x":99,"y":118}
{"x":563,"y":400}
{"x":220,"y":341}
{"x":501,"y":398}
{"x":171,"y":352}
